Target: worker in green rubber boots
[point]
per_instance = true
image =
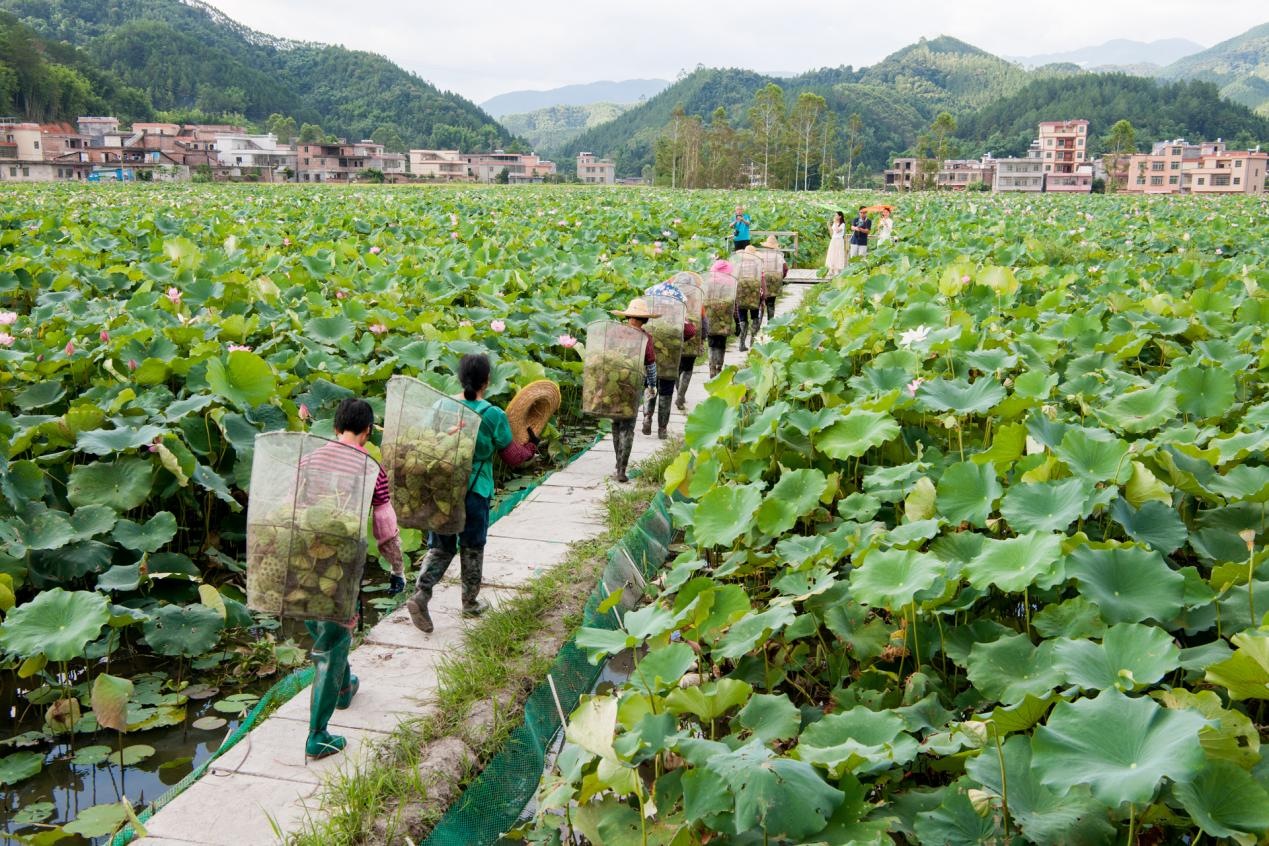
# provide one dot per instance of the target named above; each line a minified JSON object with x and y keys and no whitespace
{"x":334,"y":685}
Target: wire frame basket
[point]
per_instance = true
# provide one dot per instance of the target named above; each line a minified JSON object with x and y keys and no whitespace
{"x":749,"y":273}
{"x":666,"y":330}
{"x":612,"y":372}
{"x":720,"y":304}
{"x":694,"y":313}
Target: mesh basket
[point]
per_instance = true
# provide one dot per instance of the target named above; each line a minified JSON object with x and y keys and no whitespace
{"x":772,"y":270}
{"x":306,"y":526}
{"x":748,"y":279}
{"x":720,"y":304}
{"x":685,"y":277}
{"x":666,"y":330}
{"x":428,"y":443}
{"x":612,"y":377}
{"x":693,"y":313}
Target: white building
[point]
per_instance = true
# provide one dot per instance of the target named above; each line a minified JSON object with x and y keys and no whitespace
{"x":593,"y":171}
{"x":244,"y":153}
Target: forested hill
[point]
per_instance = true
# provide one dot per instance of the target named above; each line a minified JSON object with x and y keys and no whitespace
{"x":185,"y":56}
{"x":1157,"y":111}
{"x":1240,"y":66}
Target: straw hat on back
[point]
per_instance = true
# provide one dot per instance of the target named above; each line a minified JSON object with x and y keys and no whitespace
{"x":532,"y":408}
{"x":771,"y":243}
{"x":751,"y":249}
{"x":638,"y":308}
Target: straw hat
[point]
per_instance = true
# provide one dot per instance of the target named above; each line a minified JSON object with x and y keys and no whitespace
{"x":532,"y":408}
{"x":751,"y":249}
{"x":638,"y":308}
{"x":771,"y":243}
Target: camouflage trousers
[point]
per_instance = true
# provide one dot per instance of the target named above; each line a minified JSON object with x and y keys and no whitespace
{"x":623,"y":431}
{"x":432,"y":570}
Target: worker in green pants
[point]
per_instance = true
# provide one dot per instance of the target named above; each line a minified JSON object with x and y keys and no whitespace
{"x":334,"y":685}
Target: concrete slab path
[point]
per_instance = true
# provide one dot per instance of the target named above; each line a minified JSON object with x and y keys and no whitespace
{"x":264,"y":784}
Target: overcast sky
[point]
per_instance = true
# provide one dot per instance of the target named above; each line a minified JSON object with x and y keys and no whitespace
{"x":496,"y":46}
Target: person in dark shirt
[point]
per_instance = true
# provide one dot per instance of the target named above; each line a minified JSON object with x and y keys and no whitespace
{"x":860,"y":229}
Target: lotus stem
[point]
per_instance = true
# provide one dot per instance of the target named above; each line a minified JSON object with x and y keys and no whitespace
{"x":1004,"y":778}
{"x":916,"y":637}
{"x":1132,"y":824}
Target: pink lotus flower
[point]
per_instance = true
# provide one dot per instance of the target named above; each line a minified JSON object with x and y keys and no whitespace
{"x":132,"y":364}
{"x":377,"y":328}
{"x":913,"y":385}
{"x":453,"y":219}
{"x":8,"y":318}
{"x":677,"y":221}
{"x":453,"y":236}
{"x":568,"y":341}
{"x":70,"y":348}
{"x":239,"y":348}
{"x":105,"y":336}
{"x":498,"y":326}
{"x":464,"y":323}
{"x":39,"y":357}
{"x":339,"y":295}
{"x":174,"y":296}
{"x":304,"y":415}
{"x":656,"y":244}
{"x":656,"y":251}
{"x":374,"y":251}
{"x":965,"y":279}
{"x":286,"y":242}
{"x":6,"y":340}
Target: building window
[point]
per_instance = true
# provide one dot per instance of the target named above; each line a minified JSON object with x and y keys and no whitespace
{"x":1141,"y":180}
{"x":1174,"y":166}
{"x":1238,"y":163}
{"x":1172,"y":180}
{"x":1156,"y":165}
{"x":1238,"y":180}
{"x":1081,"y":130}
{"x":37,"y":145}
{"x":1079,"y":142}
{"x":13,"y":171}
{"x":1220,"y":179}
{"x":1156,"y":180}
{"x":1202,"y":181}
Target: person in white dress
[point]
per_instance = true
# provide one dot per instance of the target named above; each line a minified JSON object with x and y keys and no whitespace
{"x":885,"y":226}
{"x":836,"y":259}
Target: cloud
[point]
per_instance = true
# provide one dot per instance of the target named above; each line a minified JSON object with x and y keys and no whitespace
{"x":498,"y":46}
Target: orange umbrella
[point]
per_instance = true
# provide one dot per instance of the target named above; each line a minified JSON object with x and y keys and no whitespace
{"x":878,"y":208}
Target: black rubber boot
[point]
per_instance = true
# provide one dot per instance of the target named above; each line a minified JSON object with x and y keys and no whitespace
{"x":663,"y":418}
{"x":685,"y":378}
{"x":744,"y":330}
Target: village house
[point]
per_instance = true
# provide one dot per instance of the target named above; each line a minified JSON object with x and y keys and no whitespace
{"x":595,"y":171}
{"x":903,"y":175}
{"x":964,"y":174}
{"x":1023,"y":173}
{"x":242,"y":155}
{"x":521,"y":168}
{"x":438,"y":165}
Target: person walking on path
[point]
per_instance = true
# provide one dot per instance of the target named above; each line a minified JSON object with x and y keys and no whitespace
{"x":860,"y":229}
{"x":334,"y":685}
{"x":836,"y":259}
{"x":716,"y":335}
{"x":773,"y":243}
{"x":740,"y":224}
{"x":494,"y":436}
{"x":885,"y":225}
{"x":637,"y":315}
{"x":660,"y":401}
{"x":751,"y":316}
{"x":687,"y":363}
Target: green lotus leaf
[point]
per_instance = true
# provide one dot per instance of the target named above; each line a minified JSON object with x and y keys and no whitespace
{"x":120,"y":577}
{"x":856,"y":433}
{"x":1008,"y":444}
{"x":1140,"y":411}
{"x":857,"y":741}
{"x":1245,"y":674}
{"x":960,"y":396}
{"x":1122,"y":748}
{"x":1075,"y":617}
{"x":1154,"y":524}
{"x":328,"y":330}
{"x":1204,"y":392}
{"x":48,"y":529}
{"x":91,"y":520}
{"x":1230,"y":735}
{"x":1047,"y":817}
{"x":770,"y":717}
{"x":848,"y":824}
{"x":1046,"y":506}
{"x":662,"y":667}
{"x":98,"y":820}
{"x":745,"y":633}
{"x":122,"y":484}
{"x":724,"y":514}
{"x":245,"y":379}
{"x":21,"y":481}
{"x":56,"y":622}
{"x":1010,"y":669}
{"x":891,"y":578}
{"x":1242,"y":483}
{"x":110,"y":701}
{"x":1095,"y":455}
{"x":19,"y":766}
{"x":109,"y":441}
{"x":1022,"y":716}
{"x":954,"y":822}
{"x":967,"y":492}
{"x":146,"y":537}
{"x":709,"y":422}
{"x":795,"y":495}
{"x":39,"y":395}
{"x":1013,"y":565}
{"x":1225,"y":801}
{"x":708,"y":701}
{"x":1130,"y":656}
{"x":36,"y":812}
{"x":209,"y":723}
{"x":1128,"y":584}
{"x":188,"y":630}
{"x":91,"y":756}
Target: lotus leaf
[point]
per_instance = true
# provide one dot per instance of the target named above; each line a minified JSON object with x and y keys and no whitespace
{"x":187,"y":631}
{"x":1127,"y":584}
{"x":56,"y":623}
{"x":857,"y":741}
{"x":967,"y":492}
{"x":122,"y":484}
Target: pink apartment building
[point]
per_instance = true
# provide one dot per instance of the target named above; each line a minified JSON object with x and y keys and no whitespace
{"x":1237,"y":172}
{"x":594,"y":171}
{"x":1064,"y":148}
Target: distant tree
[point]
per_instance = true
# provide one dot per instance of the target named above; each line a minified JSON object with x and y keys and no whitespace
{"x":282,"y":126}
{"x":1121,"y":141}
{"x":804,"y":123}
{"x":854,"y":143}
{"x":310,"y":133}
{"x":722,"y":156}
{"x":371,"y":174}
{"x":767,"y":118}
{"x":390,"y":139}
{"x":503,"y":177}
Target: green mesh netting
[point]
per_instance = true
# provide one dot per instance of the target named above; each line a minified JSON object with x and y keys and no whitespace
{"x":293,"y":683}
{"x":495,"y":800}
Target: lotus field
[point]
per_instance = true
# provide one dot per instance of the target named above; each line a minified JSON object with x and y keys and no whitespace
{"x":975,"y":553}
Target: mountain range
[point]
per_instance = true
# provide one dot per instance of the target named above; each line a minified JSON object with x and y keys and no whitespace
{"x":1117,"y":53}
{"x":625,"y":91}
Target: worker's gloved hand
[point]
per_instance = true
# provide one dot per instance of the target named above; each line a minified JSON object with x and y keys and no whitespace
{"x":396,"y":584}
{"x":534,"y":437}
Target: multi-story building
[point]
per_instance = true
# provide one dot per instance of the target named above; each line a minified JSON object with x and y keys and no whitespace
{"x":593,"y":171}
{"x":903,"y":174}
{"x":520,"y":167}
{"x":1025,"y":173}
{"x":440,"y":165}
{"x":32,"y":152}
{"x":1168,"y":167}
{"x":94,"y":129}
{"x":241,"y":154}
{"x":1064,"y":144}
{"x":1236,"y":172}
{"x":963,"y":174}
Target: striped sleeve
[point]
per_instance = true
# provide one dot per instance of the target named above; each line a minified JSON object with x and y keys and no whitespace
{"x":382,"y":495}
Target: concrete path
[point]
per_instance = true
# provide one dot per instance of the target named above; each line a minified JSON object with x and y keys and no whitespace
{"x":264,"y":781}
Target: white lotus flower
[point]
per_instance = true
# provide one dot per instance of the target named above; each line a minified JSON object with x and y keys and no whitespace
{"x":914,"y":336}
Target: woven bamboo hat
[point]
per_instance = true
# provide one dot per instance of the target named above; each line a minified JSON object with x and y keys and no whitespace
{"x":532,"y":407}
{"x":638,"y":308}
{"x":771,"y":243}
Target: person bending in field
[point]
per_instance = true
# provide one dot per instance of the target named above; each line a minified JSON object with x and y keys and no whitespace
{"x":860,"y":229}
{"x":334,"y":685}
{"x":637,"y":315}
{"x":469,"y":544}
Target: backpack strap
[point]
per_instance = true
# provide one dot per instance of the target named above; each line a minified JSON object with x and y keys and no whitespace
{"x":483,"y":461}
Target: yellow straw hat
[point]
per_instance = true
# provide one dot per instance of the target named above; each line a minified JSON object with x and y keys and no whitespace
{"x":638,"y":308}
{"x":771,"y":243}
{"x":532,"y":407}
